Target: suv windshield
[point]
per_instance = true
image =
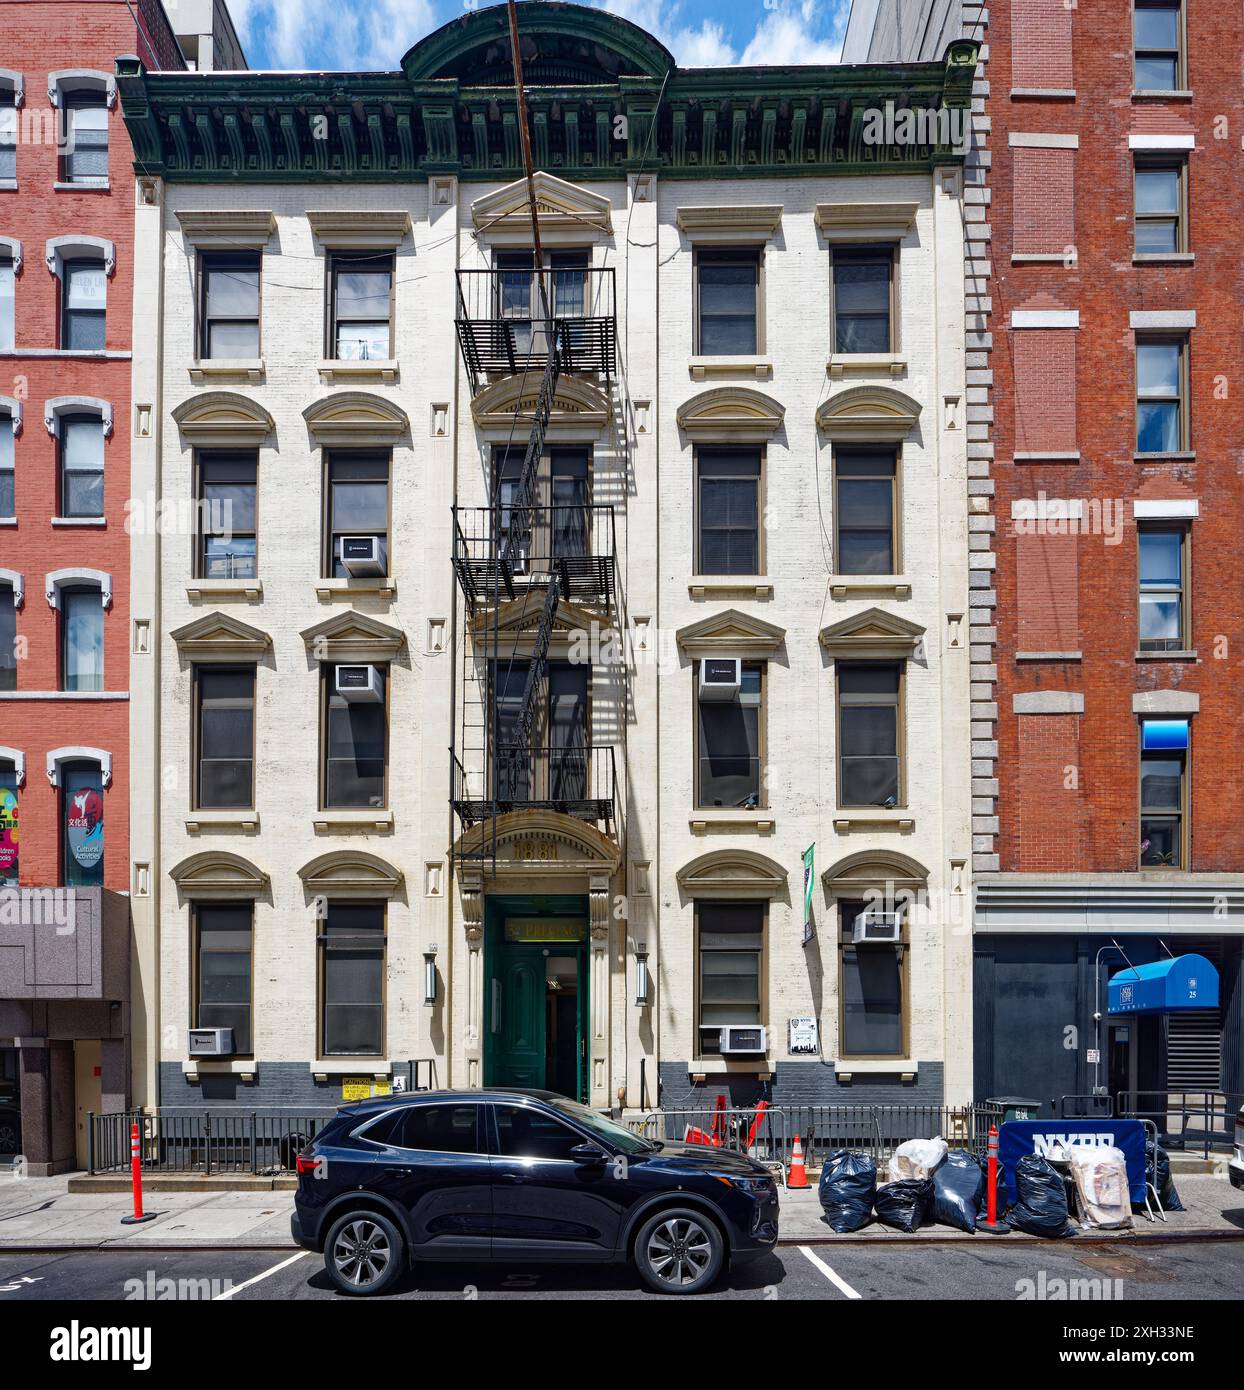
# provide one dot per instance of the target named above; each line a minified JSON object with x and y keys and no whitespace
{"x":608,"y":1130}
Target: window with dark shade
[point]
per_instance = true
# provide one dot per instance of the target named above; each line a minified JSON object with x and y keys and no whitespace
{"x":358,"y":505}
{"x":352,"y":946}
{"x":863,"y":290}
{"x":227,"y":495}
{"x":85,"y":159}
{"x":223,"y":950}
{"x":728,"y":511}
{"x":225,"y":736}
{"x":8,"y":638}
{"x":355,"y":745}
{"x":730,"y":954}
{"x":729,"y":754}
{"x":864,"y":511}
{"x":869,"y":699}
{"x":870,"y":991}
{"x":229,"y":305}
{"x":728,"y":297}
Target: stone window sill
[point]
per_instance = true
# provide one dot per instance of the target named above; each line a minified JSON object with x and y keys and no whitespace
{"x":845,"y":1068}
{"x":710,"y":818}
{"x":225,"y":368}
{"x":1164,"y":258}
{"x":1049,"y":656}
{"x":330,"y":590}
{"x":890,"y":363}
{"x":66,"y":186}
{"x":759,"y":367}
{"x":1184,"y":654}
{"x":251,"y":589}
{"x":361,"y":819}
{"x":8,"y":521}
{"x":1043,"y":94}
{"x":375,"y":1067}
{"x":709,"y":586}
{"x":1175,"y":94}
{"x":844,"y":585}
{"x":1175,"y":455}
{"x":247,"y":821}
{"x":723,"y":1066}
{"x":1046,"y":456}
{"x":79,"y":521}
{"x":382,"y":370}
{"x":865,"y":818}
{"x":1038,"y":257}
{"x":245,"y":1067}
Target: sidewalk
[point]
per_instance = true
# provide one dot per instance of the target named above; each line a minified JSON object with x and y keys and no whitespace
{"x":44,"y":1214}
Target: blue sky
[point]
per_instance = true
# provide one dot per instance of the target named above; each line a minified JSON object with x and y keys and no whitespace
{"x":373,"y":34}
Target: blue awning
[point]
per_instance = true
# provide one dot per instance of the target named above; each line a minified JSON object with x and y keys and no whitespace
{"x":1163,"y":987}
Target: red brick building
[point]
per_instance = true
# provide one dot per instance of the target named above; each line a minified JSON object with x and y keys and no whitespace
{"x":66,"y":289}
{"x":1105,"y":414}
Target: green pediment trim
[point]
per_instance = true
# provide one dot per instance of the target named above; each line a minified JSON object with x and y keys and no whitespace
{"x":603,"y":98}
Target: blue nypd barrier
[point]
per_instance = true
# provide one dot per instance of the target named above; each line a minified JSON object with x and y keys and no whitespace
{"x":1020,"y":1137}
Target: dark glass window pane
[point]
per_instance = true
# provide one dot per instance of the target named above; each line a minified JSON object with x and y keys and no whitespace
{"x":232,"y":292}
{"x":82,"y":619}
{"x":1157,"y":26}
{"x":1161,"y":782}
{"x":1157,"y":427}
{"x":439,"y":1129}
{"x":524,"y":1133}
{"x":353,"y":947}
{"x":872,"y":1001}
{"x":355,"y":752}
{"x":1159,"y":841}
{"x":226,"y":737}
{"x":8,"y":639}
{"x":727,"y":295}
{"x":1157,"y":190}
{"x":730,"y":941}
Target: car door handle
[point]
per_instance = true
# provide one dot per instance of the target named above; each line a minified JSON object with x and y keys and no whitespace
{"x":514,"y":1177}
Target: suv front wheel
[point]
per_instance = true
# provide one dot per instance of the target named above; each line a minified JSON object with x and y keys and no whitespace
{"x":364,"y":1253}
{"x":679,"y":1250}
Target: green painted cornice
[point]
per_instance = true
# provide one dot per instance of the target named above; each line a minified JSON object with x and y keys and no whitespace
{"x":603,"y":98}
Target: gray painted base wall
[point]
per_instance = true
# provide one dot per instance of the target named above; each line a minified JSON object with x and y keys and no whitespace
{"x":277,"y":1086}
{"x":800,"y":1083}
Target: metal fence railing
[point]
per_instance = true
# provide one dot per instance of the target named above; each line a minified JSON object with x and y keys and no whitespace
{"x":873,"y":1129}
{"x":1186,"y":1120}
{"x":204,"y":1142}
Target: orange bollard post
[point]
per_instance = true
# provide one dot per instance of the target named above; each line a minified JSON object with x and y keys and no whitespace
{"x":992,"y":1225}
{"x":136,"y":1173}
{"x":797,"y":1177}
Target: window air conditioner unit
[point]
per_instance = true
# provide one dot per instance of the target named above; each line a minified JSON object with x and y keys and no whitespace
{"x":360,"y":683}
{"x":721,"y":678}
{"x":877,"y":928}
{"x":361,"y":556}
{"x":743,"y":1039}
{"x":210,"y":1042}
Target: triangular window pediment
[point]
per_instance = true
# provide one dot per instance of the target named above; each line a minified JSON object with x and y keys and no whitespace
{"x":731,"y":633}
{"x":353,"y":636}
{"x":220,"y":637}
{"x":873,"y":633}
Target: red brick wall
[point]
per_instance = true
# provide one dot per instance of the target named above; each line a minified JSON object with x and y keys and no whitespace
{"x":1044,"y":191}
{"x":1042,"y":41}
{"x":1105,"y":286}
{"x":35,"y":39}
{"x":1044,"y":370}
{"x":1047,"y":578}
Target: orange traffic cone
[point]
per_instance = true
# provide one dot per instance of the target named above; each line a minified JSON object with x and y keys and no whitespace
{"x":798,"y":1175}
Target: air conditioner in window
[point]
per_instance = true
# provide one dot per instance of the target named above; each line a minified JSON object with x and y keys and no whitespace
{"x":877,"y":928}
{"x":361,"y":683}
{"x":361,"y":556}
{"x":209,"y":1042}
{"x":743,"y":1039}
{"x":721,"y":678}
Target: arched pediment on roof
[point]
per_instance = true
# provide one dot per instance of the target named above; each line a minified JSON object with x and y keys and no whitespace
{"x":732,"y":873}
{"x":580,"y":409}
{"x":561,"y":45}
{"x":223,"y":417}
{"x":215,"y":875}
{"x":731,"y":415}
{"x":878,"y":414}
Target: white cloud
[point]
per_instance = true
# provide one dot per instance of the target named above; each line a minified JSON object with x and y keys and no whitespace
{"x":338,"y":34}
{"x":785,"y":37}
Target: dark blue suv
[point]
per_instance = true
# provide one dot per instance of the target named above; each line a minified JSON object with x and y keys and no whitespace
{"x":520,"y":1176}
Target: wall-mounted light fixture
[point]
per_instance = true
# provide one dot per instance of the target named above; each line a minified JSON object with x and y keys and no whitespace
{"x":643,"y":980}
{"x":429,"y":976}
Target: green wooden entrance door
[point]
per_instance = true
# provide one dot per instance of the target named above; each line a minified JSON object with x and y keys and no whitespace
{"x":520,"y":1037}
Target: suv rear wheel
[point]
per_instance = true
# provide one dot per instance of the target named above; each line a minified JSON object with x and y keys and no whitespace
{"x":679,"y":1250}
{"x":364,"y":1253}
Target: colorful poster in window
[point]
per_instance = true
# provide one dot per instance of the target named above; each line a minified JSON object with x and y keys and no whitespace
{"x":8,"y":837}
{"x":84,"y":827}
{"x":809,"y":928}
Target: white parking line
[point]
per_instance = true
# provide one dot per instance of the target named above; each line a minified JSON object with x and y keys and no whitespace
{"x":267,"y":1274}
{"x":839,"y":1283}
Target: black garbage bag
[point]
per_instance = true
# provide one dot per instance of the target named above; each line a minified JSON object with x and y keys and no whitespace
{"x":1042,"y":1206}
{"x":848,"y":1183}
{"x":1164,"y":1182}
{"x":958,"y":1186}
{"x":905,"y":1205}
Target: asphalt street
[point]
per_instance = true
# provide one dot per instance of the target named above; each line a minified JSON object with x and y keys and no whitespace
{"x":994,"y":1272}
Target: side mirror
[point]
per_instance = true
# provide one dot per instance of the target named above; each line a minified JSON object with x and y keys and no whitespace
{"x":588,"y":1154}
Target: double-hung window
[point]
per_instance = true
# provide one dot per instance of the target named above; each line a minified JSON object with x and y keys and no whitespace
{"x":1161,"y":206}
{"x":224,"y":737}
{"x":355,"y":736}
{"x":223,"y":948}
{"x":361,"y":307}
{"x":1161,"y":395}
{"x":82,"y":638}
{"x":1163,"y":588}
{"x":8,"y":450}
{"x":8,"y":136}
{"x":870,"y":990}
{"x":870,"y":733}
{"x":865,"y":511}
{"x":728,"y":301}
{"x":8,"y":303}
{"x":1158,"y":39}
{"x":229,"y":305}
{"x":81,"y":466}
{"x":84,"y":305}
{"x":227,"y":519}
{"x":730,"y":944}
{"x":729,"y":736}
{"x":863,"y":299}
{"x":351,"y":943}
{"x":728,"y":508}
{"x":1163,"y":792}
{"x":358,"y":506}
{"x":85,"y":156}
